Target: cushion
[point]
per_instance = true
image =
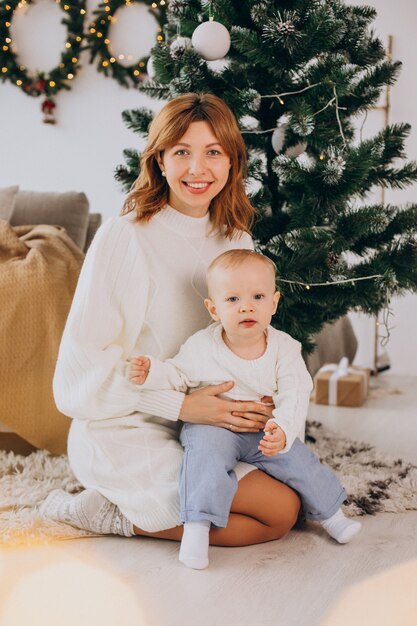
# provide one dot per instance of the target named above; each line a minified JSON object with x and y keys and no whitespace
{"x":7,"y":202}
{"x":68,"y":209}
{"x":334,"y":341}
{"x":93,"y":224}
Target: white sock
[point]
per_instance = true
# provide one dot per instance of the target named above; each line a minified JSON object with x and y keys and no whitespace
{"x":88,"y":510}
{"x":195,"y":544}
{"x":341,"y":527}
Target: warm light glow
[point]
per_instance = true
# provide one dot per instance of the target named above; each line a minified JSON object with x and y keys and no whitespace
{"x":321,"y":157}
{"x":154,"y":5}
{"x":59,"y":589}
{"x":281,"y":101}
{"x":74,"y":59}
{"x":19,"y":82}
{"x":68,"y":45}
{"x":99,"y":35}
{"x":92,"y":30}
{"x":66,"y":7}
{"x":136,"y":72}
{"x":78,"y":38}
{"x":105,"y":63}
{"x":112,"y":60}
{"x":7,"y":24}
{"x":8,"y":7}
{"x":82,"y":11}
{"x":4,"y":70}
{"x":159,"y":38}
{"x":70,"y":76}
{"x":8,"y":40}
{"x":5,"y":48}
{"x":52,"y":83}
{"x":107,"y":8}
{"x":107,"y":41}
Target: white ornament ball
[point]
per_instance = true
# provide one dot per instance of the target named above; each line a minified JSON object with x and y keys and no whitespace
{"x":150,"y":69}
{"x":280,"y":133}
{"x":295,"y":151}
{"x":179,"y":44}
{"x":211,"y":40}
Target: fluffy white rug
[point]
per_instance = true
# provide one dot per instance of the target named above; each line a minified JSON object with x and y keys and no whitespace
{"x":373,"y":481}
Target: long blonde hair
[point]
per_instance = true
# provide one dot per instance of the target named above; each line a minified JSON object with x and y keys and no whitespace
{"x":230,"y":210}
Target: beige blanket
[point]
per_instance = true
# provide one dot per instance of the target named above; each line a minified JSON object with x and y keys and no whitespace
{"x":39,"y":267}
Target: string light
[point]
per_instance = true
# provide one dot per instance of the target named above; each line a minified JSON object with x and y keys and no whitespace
{"x":290,"y":93}
{"x":329,"y":283}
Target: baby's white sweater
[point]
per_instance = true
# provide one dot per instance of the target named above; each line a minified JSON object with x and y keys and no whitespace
{"x":204,"y":359}
{"x":141,"y":289}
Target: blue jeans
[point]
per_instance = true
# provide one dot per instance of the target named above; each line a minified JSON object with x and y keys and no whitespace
{"x":208,"y":482}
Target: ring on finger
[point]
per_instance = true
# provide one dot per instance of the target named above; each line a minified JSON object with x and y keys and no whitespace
{"x":230,"y":426}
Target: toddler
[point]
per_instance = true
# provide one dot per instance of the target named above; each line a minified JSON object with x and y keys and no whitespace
{"x":262,"y":361}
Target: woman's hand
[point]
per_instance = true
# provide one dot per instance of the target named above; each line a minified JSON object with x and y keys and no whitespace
{"x":204,"y":407}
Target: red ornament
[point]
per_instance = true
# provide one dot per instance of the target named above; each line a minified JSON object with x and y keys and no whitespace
{"x":40,"y":84}
{"x":48,"y":107}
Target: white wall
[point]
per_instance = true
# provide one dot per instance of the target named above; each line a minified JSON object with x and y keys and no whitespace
{"x":398,"y":19}
{"x":82,"y":150}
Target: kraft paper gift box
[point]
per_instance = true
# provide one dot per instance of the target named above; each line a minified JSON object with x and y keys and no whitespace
{"x":341,"y":385}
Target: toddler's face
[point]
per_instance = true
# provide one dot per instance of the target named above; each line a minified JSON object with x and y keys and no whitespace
{"x":243,"y":298}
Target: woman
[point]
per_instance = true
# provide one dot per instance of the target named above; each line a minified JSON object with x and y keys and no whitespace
{"x":141,"y":290}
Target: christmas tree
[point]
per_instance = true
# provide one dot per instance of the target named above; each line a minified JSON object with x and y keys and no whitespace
{"x":300,"y":76}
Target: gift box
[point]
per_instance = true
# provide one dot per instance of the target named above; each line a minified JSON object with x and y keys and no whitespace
{"x":341,"y":385}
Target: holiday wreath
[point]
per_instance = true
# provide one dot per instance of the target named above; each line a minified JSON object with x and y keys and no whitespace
{"x":39,"y":83}
{"x":99,"y":44}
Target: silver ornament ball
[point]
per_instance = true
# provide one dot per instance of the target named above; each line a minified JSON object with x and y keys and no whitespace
{"x":150,"y":69}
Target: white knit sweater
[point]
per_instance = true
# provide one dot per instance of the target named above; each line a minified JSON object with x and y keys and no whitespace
{"x":280,"y":372}
{"x":141,"y":290}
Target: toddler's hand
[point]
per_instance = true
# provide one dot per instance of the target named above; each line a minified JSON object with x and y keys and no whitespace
{"x":139,"y":369}
{"x":274,"y":439}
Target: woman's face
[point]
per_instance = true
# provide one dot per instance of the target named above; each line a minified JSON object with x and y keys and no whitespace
{"x":196,"y":169}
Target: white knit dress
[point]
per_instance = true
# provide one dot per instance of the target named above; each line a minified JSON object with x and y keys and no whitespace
{"x":141,"y":291}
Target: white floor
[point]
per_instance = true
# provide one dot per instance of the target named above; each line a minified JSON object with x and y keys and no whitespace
{"x":292,"y":582}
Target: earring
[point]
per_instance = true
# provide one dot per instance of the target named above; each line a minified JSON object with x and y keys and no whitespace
{"x":163,"y":173}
